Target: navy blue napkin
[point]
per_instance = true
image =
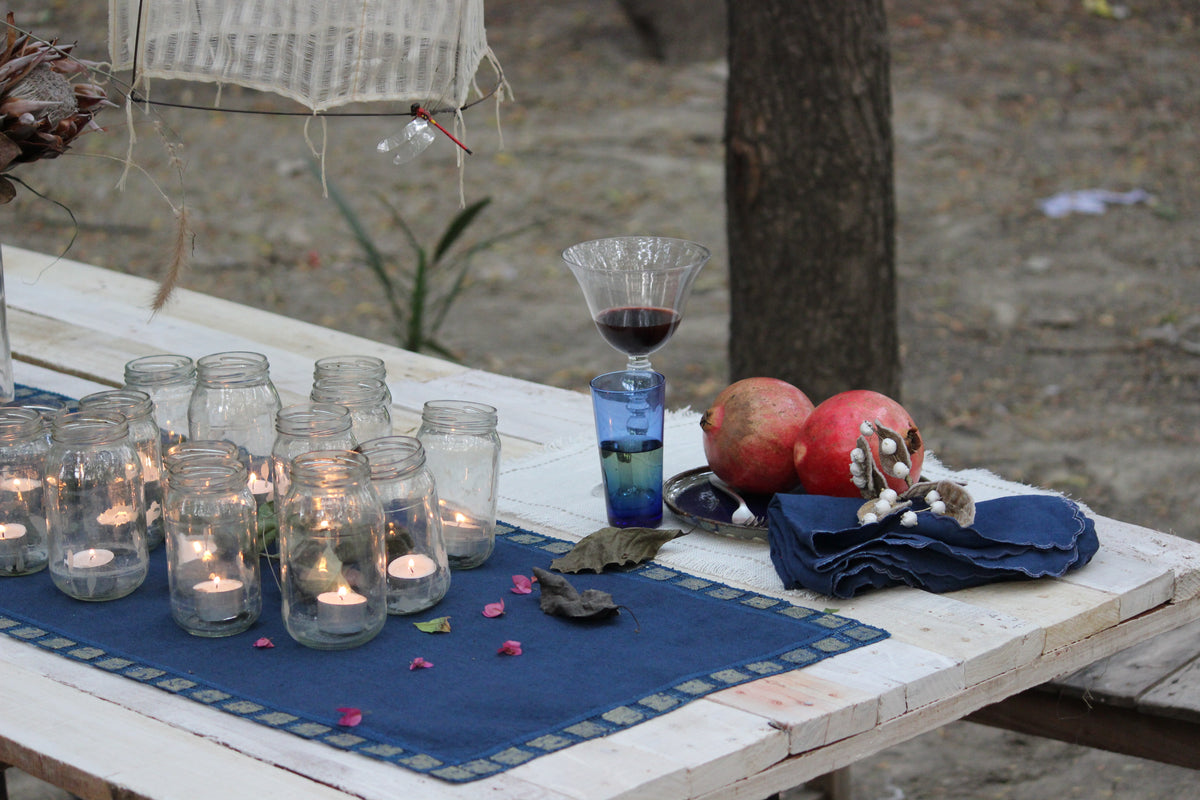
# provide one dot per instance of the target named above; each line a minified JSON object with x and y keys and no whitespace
{"x":817,"y":543}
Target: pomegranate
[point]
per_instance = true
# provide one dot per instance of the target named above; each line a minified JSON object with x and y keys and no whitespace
{"x":830,"y":434}
{"x":750,"y":432}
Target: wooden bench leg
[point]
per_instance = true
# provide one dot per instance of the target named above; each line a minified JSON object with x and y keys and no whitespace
{"x":834,"y":785}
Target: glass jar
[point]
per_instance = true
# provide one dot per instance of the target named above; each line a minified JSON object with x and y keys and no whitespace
{"x":303,"y":428}
{"x":235,"y":400}
{"x":170,"y":381}
{"x":352,"y":368}
{"x":23,"y":448}
{"x":367,"y":399}
{"x":96,"y":524}
{"x":212,"y":552}
{"x":332,"y":552}
{"x":462,"y":450}
{"x":143,"y":430}
{"x":418,"y":573}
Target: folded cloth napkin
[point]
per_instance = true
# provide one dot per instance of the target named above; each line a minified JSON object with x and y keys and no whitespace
{"x":817,"y":543}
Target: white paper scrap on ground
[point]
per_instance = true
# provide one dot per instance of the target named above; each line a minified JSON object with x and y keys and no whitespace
{"x":1089,"y":201}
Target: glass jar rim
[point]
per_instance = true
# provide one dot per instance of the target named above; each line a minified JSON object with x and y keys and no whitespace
{"x":162,"y":368}
{"x":313,"y":419}
{"x":208,"y":473}
{"x":235,"y":367}
{"x":330,"y":468}
{"x":89,"y":428}
{"x":465,"y":415}
{"x":133,"y":403}
{"x":392,"y":457}
{"x":18,"y":423}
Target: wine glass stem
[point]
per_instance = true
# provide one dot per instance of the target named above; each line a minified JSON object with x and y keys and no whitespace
{"x":638,"y":364}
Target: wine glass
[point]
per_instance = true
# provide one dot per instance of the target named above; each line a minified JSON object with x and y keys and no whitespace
{"x":636,"y":288}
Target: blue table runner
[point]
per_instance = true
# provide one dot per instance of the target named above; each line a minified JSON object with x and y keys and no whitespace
{"x":475,"y":712}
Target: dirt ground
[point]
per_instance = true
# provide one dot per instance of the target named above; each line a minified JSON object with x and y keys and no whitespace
{"x":1056,"y":351}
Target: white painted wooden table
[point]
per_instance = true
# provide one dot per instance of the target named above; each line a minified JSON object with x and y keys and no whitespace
{"x":73,"y":327}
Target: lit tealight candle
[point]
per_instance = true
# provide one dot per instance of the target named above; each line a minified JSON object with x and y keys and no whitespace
{"x":259,"y":486}
{"x":91,"y":559}
{"x":12,"y":537}
{"x":412,"y":567}
{"x":217,"y":599}
{"x":18,"y":484}
{"x":343,"y":611}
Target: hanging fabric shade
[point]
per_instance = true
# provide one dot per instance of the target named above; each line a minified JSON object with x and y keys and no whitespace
{"x":320,"y":53}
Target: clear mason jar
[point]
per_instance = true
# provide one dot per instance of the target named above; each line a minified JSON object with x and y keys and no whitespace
{"x":305,"y":427}
{"x":367,"y":399}
{"x":23,"y":448}
{"x":235,"y":400}
{"x":212,"y":552}
{"x":143,"y":430}
{"x":418,"y":572}
{"x":332,"y":552}
{"x":462,"y":450}
{"x":169,"y":380}
{"x":352,"y":368}
{"x":96,"y":524}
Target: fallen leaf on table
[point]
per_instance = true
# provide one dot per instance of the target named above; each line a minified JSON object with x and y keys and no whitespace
{"x":435,"y":625}
{"x":617,"y":547}
{"x":561,"y":599}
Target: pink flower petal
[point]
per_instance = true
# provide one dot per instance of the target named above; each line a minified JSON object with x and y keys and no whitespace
{"x":263,"y":644}
{"x":350,"y":717}
{"x":521,"y":585}
{"x":419,"y":663}
{"x":510,"y":648}
{"x":494,"y":609}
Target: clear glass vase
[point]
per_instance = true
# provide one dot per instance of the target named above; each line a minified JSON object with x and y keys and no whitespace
{"x":23,"y":447}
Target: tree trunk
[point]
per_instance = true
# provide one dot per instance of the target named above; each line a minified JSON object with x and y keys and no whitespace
{"x":810,"y":196}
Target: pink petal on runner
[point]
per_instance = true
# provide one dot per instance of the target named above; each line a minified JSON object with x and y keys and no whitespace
{"x":419,"y":663}
{"x":510,"y":648}
{"x":263,"y":644}
{"x":494,"y":609}
{"x":350,"y":717}
{"x":521,"y":585}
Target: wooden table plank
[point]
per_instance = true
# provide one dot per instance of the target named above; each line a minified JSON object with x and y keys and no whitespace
{"x":1067,"y":612}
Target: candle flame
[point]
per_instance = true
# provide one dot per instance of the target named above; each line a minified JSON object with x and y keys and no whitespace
{"x":460,"y":517}
{"x":216,"y":579}
{"x":412,"y":565}
{"x":92,"y":556}
{"x":3,"y":530}
{"x":322,"y":566}
{"x":343,"y":591}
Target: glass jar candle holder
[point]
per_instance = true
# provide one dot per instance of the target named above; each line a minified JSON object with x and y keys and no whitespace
{"x":462,"y":450}
{"x":96,"y":525}
{"x":332,"y":552}
{"x":212,"y":553}
{"x":143,"y":430}
{"x":305,"y":427}
{"x":418,"y":572}
{"x":169,"y":380}
{"x":23,"y":448}
{"x":235,"y":401}
{"x":367,"y":399}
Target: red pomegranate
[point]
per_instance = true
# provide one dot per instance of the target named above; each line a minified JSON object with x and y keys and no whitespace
{"x":822,"y":452}
{"x":750,"y":432}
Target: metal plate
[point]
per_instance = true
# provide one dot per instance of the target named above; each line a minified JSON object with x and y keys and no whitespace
{"x":690,"y":496}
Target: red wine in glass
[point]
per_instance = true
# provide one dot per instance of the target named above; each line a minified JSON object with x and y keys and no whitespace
{"x":637,"y":330}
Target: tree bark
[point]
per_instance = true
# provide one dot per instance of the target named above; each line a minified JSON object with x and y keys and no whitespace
{"x":810,"y":196}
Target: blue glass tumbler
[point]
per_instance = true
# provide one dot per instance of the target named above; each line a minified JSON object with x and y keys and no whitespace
{"x":628,"y":406}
